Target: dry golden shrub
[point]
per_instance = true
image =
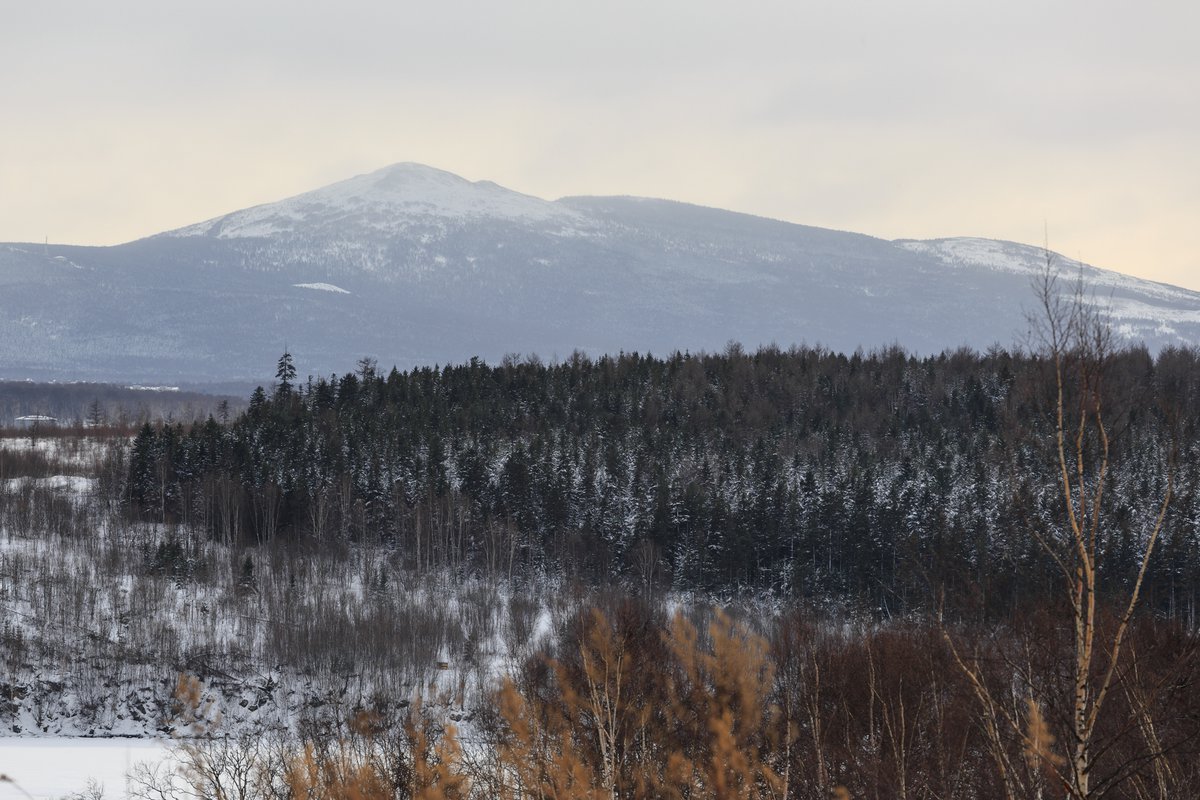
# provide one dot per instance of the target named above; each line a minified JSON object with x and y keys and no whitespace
{"x":1039,"y":741}
{"x":364,"y":765}
{"x":636,"y":711}
{"x":720,"y":703}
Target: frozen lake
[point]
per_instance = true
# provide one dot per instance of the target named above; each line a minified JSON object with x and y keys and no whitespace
{"x":53,"y":767}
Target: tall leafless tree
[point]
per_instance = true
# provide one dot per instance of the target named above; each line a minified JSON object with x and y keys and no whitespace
{"x":1072,"y":335}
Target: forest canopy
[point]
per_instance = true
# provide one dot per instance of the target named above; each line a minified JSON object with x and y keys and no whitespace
{"x":877,"y":479}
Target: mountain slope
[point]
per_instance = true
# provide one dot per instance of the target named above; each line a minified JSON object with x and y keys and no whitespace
{"x":415,"y":265}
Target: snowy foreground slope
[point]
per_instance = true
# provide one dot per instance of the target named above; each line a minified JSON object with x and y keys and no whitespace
{"x":413,"y":265}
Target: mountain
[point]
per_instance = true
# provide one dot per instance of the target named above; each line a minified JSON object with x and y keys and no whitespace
{"x":413,"y":265}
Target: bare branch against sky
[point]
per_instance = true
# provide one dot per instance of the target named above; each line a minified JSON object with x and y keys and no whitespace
{"x":914,"y":119}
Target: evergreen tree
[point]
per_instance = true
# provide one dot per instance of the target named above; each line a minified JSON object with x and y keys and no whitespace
{"x":285,"y":375}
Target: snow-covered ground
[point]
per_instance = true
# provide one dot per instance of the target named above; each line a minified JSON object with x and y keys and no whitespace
{"x":76,"y":485}
{"x":68,"y":451}
{"x":54,"y":767}
{"x":322,"y":287}
{"x":98,"y":619}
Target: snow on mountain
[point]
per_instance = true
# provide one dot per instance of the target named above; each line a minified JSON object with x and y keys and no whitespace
{"x":387,"y":201}
{"x":1023,"y":259}
{"x":443,"y":269}
{"x":323,"y":287}
{"x":1140,"y":310}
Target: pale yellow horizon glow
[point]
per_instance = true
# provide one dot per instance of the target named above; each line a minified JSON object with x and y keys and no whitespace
{"x":935,"y":121}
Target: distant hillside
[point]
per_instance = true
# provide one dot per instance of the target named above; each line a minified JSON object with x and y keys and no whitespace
{"x":100,"y":403}
{"x":415,"y":266}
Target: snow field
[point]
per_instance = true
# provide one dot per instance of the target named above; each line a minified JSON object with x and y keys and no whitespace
{"x":56,"y":767}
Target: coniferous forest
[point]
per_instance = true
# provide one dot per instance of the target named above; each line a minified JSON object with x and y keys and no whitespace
{"x":881,"y":482}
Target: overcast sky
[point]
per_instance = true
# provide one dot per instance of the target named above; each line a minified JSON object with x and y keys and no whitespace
{"x":898,"y":119}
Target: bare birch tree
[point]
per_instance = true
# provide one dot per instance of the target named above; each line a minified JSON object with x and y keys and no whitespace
{"x":1073,"y":337}
{"x":1078,"y":342}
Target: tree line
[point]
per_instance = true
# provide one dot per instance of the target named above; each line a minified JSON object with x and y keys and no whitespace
{"x":878,"y":479}
{"x":94,"y":405}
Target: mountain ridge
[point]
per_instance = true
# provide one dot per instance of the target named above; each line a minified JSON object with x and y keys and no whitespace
{"x":401,"y":187}
{"x":414,"y":265}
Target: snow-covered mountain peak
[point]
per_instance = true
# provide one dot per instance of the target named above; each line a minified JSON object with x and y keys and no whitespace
{"x":386,"y":200}
{"x":1024,"y":259}
{"x":415,"y":265}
